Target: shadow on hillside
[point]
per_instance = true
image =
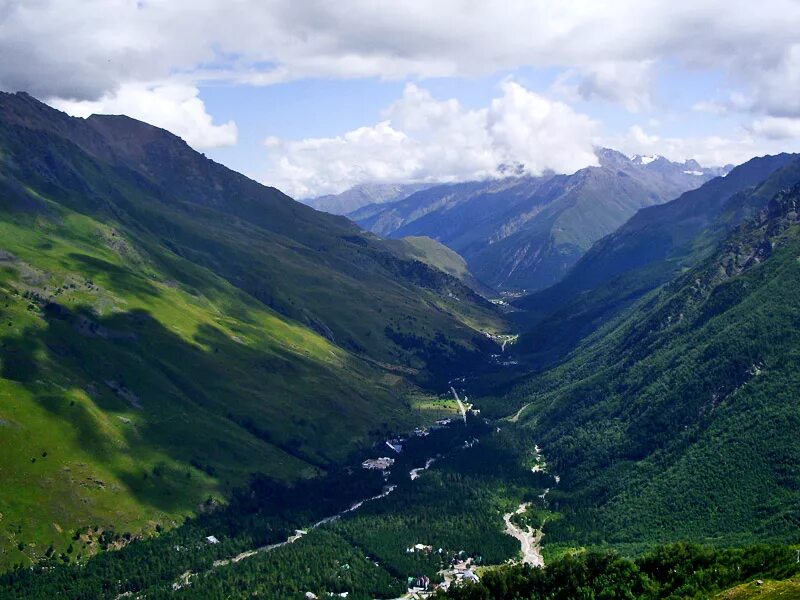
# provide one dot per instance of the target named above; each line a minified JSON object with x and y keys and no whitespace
{"x":215,"y":408}
{"x":122,"y":279}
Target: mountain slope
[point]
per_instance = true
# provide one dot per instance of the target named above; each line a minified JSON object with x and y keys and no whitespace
{"x":170,"y":327}
{"x":362,"y":195}
{"x":654,"y":246}
{"x":678,"y":423}
{"x":526,"y":232}
{"x":438,"y":255}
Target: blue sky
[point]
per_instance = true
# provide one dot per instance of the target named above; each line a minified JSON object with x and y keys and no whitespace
{"x":315,"y":97}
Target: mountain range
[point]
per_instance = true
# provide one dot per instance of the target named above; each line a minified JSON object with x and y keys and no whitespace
{"x":364,"y":194}
{"x":525,"y":232}
{"x":650,"y":249}
{"x":171,"y":327}
{"x":194,"y":368}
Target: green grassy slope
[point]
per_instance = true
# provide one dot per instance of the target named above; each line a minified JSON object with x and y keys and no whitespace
{"x":767,"y":590}
{"x":313,"y":267}
{"x":679,"y":422}
{"x":437,"y":255}
{"x":169,"y":328}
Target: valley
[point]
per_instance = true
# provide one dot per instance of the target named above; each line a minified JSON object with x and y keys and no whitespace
{"x":209,"y":390}
{"x":454,"y":455}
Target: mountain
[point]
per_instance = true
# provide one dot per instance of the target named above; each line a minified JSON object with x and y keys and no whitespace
{"x":526,"y":232}
{"x":170,"y":328}
{"x":362,"y":195}
{"x":650,"y":249}
{"x":441,"y":257}
{"x":678,"y":420}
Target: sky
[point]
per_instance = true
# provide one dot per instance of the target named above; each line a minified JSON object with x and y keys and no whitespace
{"x":314,"y":97}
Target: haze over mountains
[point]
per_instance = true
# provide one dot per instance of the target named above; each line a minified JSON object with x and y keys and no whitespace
{"x":526,"y":232}
{"x":363,"y":195}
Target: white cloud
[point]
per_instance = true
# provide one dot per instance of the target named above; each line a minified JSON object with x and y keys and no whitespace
{"x":175,"y":107}
{"x":541,"y":134}
{"x":626,"y":82}
{"x":777,"y":128}
{"x":104,"y":55}
{"x":425,"y":139}
{"x":87,"y":49}
{"x":710,"y":150}
{"x":777,"y":90}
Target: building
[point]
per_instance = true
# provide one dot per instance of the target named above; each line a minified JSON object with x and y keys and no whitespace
{"x":395,"y":445}
{"x":378,"y":464}
{"x":422,"y":582}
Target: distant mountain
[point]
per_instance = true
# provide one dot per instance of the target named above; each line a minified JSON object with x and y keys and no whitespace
{"x":650,"y":249}
{"x":526,"y":232}
{"x":170,"y":328}
{"x":363,"y":195}
{"x":679,"y":420}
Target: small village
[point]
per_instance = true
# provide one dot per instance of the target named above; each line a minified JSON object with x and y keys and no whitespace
{"x":461,"y":569}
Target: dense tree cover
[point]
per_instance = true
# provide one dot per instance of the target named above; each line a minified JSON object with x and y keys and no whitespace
{"x":264,"y":513}
{"x":674,"y":571}
{"x":322,"y":563}
{"x":679,"y":422}
{"x":457,"y":505}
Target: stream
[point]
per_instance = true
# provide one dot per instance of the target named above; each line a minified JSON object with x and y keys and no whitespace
{"x":528,"y":537}
{"x":186,"y":578}
{"x":299,"y":533}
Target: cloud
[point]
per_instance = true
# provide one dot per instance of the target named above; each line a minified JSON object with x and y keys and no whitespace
{"x":777,"y":128}
{"x":105,"y":55}
{"x":425,"y":139}
{"x":88,"y":49}
{"x":777,"y":90}
{"x":626,"y":82}
{"x":527,"y":128}
{"x":711,"y":150}
{"x":175,"y":107}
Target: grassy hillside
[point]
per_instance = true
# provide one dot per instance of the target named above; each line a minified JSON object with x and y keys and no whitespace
{"x":678,"y":423}
{"x":766,"y":590}
{"x":170,"y":327}
{"x":439,"y":256}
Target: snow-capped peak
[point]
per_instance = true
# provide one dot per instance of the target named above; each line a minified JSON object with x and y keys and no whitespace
{"x":640,"y":159}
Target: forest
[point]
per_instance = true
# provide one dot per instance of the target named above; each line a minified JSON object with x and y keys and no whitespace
{"x":673,"y":571}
